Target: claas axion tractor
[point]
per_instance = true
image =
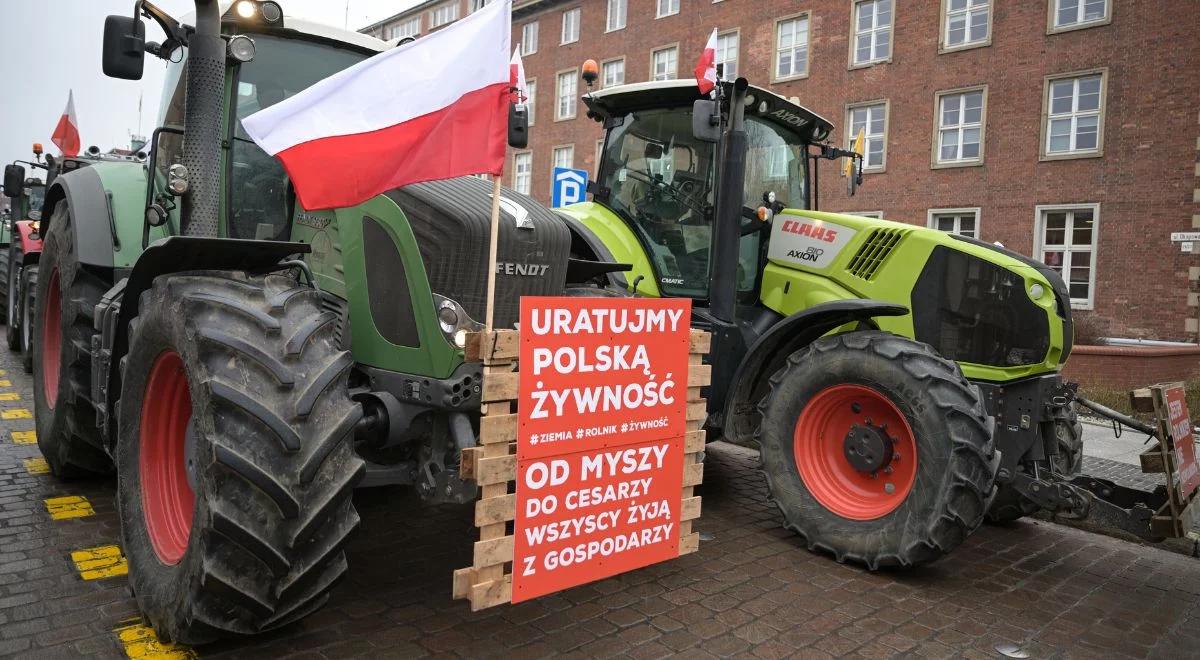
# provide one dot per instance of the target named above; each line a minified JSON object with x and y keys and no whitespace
{"x":243,"y":363}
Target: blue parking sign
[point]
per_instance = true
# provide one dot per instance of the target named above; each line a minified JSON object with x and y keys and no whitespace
{"x":569,"y":186}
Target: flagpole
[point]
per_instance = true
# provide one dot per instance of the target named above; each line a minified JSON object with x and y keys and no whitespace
{"x":495,"y":238}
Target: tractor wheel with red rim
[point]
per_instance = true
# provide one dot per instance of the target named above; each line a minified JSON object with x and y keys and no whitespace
{"x":234,"y":458}
{"x":62,"y":364}
{"x":876,"y":449}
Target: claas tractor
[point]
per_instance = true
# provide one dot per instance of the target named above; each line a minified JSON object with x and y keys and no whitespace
{"x":902,"y":383}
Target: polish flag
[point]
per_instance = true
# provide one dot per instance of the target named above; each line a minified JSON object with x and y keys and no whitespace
{"x":66,"y":133}
{"x":516,"y":75}
{"x":706,"y":68}
{"x":434,"y":108}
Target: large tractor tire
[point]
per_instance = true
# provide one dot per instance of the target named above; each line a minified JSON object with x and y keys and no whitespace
{"x":877,"y":450}
{"x":66,"y":419}
{"x":6,"y":274}
{"x":12,"y":298}
{"x":234,"y":458}
{"x":1010,"y":505}
{"x":28,"y":299}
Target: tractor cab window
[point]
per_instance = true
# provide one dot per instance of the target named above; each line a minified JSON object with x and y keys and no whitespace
{"x":258,"y":185}
{"x":34,"y":196}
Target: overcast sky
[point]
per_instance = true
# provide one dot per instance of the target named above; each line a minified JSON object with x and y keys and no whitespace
{"x":51,"y":46}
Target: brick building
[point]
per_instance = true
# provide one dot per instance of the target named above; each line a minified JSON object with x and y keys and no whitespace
{"x":1065,"y":129}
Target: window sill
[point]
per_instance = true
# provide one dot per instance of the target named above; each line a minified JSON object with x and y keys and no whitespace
{"x":1051,"y":30}
{"x":568,"y":43}
{"x":1073,"y":155}
{"x":882,"y":169}
{"x":867,"y":65}
{"x":558,"y":119}
{"x":800,"y":76}
{"x":955,"y":164}
{"x":616,"y":29}
{"x":1082,"y":305}
{"x":942,"y":50}
{"x":666,"y":16}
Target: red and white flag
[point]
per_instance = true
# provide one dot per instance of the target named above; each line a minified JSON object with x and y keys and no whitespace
{"x":435,"y":108}
{"x":706,"y":68}
{"x":66,"y":133}
{"x":516,"y":74}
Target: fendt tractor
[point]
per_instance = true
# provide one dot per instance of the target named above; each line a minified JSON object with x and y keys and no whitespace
{"x":243,"y":363}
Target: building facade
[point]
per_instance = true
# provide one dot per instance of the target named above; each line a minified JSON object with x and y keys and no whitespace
{"x":1068,"y":130}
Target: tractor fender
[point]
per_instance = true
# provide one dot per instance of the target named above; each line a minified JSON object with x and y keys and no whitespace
{"x":174,"y":254}
{"x":583,"y":238}
{"x":772,"y":349}
{"x":31,"y":241}
{"x":84,"y":192}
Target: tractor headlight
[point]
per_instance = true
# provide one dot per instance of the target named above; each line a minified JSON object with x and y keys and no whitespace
{"x":246,"y":9}
{"x":256,"y":11}
{"x":454,"y":321}
{"x":1036,"y":291}
{"x":240,"y":48}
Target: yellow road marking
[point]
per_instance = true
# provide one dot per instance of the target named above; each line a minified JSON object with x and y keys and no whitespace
{"x":24,"y":437}
{"x":101,"y":562}
{"x":3,"y":372}
{"x":5,"y":383}
{"x":70,"y":506}
{"x":9,"y":396}
{"x":140,"y":642}
{"x":16,"y":413}
{"x":37,"y":466}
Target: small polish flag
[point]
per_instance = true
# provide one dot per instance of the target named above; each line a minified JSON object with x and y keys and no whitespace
{"x":435,"y":108}
{"x":516,"y":75}
{"x":706,"y":68}
{"x":66,"y":133}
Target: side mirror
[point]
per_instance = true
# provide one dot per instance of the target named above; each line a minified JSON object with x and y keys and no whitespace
{"x":124,"y":47}
{"x":14,"y":180}
{"x":518,"y":125}
{"x":654,"y":151}
{"x":706,"y":122}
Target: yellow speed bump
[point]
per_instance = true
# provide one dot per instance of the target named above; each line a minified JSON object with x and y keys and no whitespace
{"x":5,"y":383}
{"x":70,"y":506}
{"x":24,"y":437}
{"x":140,"y":642}
{"x":96,"y":563}
{"x":16,"y":413}
{"x":37,"y":466}
{"x":9,"y":396}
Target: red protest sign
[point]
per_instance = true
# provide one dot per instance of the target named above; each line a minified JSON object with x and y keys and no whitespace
{"x":1187,"y":468}
{"x":593,"y":514}
{"x":602,"y":407}
{"x":601,"y":372}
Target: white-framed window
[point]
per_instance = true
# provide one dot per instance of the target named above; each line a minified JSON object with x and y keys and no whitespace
{"x":612,"y":72}
{"x":791,"y":48}
{"x":570,"y":26}
{"x":1075,"y":14}
{"x":1066,"y":241}
{"x":964,"y":222}
{"x":664,"y":62}
{"x":727,"y":53}
{"x":523,"y":172}
{"x":966,"y":23}
{"x":666,"y":8}
{"x":476,"y":5}
{"x":1074,"y":111}
{"x":564,"y":98}
{"x":617,"y":12}
{"x":871,"y":118}
{"x":878,"y":215}
{"x":961,"y":118}
{"x":531,"y":101}
{"x":408,"y":28}
{"x":564,"y":155}
{"x":529,"y":38}
{"x":443,"y":14}
{"x":872,"y":40}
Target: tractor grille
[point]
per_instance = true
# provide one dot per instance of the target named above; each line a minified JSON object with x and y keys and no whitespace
{"x":874,"y":252}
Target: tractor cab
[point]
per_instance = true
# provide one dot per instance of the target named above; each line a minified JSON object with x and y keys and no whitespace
{"x":661,"y":176}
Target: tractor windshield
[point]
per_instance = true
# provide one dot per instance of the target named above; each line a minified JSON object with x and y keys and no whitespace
{"x":258,"y":185}
{"x":33,"y":200}
{"x":661,"y":179}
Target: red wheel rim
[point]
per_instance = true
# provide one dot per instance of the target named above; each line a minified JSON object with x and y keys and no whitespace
{"x":822,"y":457}
{"x":52,"y":341}
{"x":167,"y":498}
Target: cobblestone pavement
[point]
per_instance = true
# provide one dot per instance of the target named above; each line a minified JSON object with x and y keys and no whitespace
{"x":1048,"y":590}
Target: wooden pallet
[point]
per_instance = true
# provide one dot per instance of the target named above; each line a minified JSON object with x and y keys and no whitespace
{"x":493,"y":464}
{"x":1180,"y":515}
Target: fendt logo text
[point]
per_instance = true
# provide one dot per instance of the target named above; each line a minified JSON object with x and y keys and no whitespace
{"x":813,"y":231}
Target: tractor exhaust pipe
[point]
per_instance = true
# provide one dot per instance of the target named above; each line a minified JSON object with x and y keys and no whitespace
{"x":202,"y":118}
{"x":722,"y":290}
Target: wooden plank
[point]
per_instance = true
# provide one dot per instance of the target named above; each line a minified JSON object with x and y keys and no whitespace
{"x":1152,"y":460}
{"x":491,"y":593}
{"x":693,"y":475}
{"x":470,"y":458}
{"x":699,"y":375}
{"x":493,"y":551}
{"x":697,"y":410}
{"x":463,"y":579}
{"x":497,"y":428}
{"x":694,"y":441}
{"x":690,"y":508}
{"x":1141,"y":400}
{"x":689,"y":544}
{"x":496,"y":470}
{"x":495,"y":510}
{"x":496,"y":347}
{"x":699,"y":341}
{"x":499,"y":386}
